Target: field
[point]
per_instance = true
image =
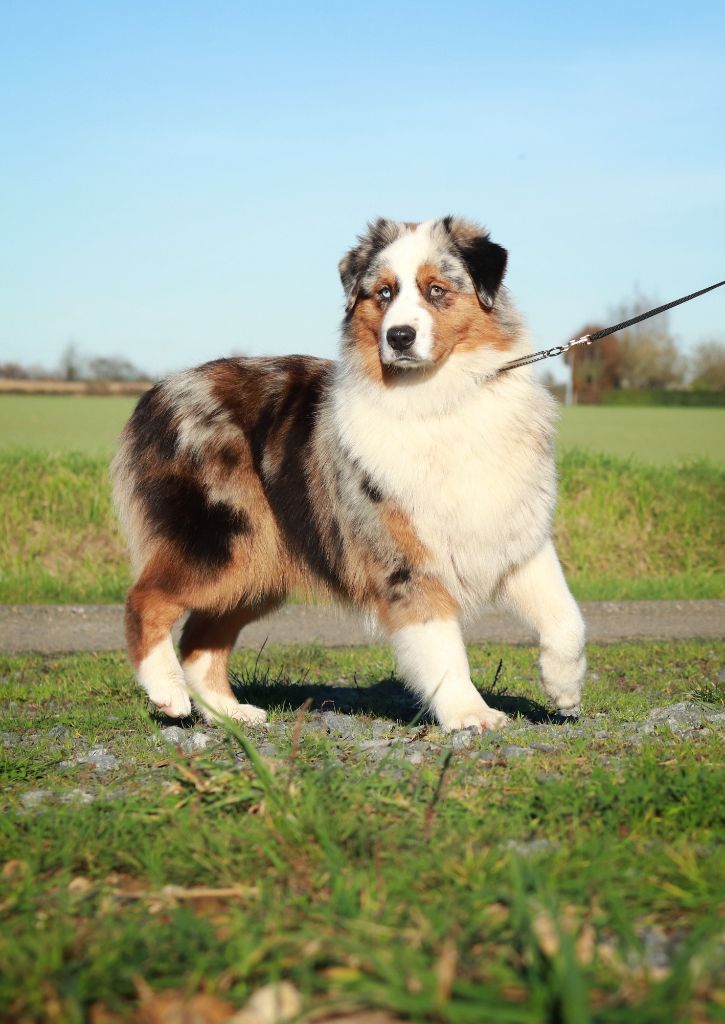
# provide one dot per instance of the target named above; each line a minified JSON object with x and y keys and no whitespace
{"x":662,"y":436}
{"x":649,"y":527}
{"x":555,"y":873}
{"x":549,"y":874}
{"x":57,"y":423}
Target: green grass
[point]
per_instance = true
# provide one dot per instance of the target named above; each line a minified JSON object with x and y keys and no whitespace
{"x":661,"y":436}
{"x":627,"y":530}
{"x":60,"y":423}
{"x":364,"y":882}
{"x":624,"y":530}
{"x":59,"y":541}
{"x":63,"y":423}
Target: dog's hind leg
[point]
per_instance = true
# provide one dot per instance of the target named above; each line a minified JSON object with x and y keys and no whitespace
{"x":150,"y":614}
{"x":537,"y":591}
{"x":205,"y":645}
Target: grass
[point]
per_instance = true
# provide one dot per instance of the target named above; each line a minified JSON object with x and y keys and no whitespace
{"x":59,"y":542}
{"x":661,"y":436}
{"x":63,"y":423}
{"x":627,"y":530}
{"x":472,"y":886}
{"x":624,"y":530}
{"x":90,"y":424}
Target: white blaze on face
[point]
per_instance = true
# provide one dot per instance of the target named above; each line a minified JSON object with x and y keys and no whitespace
{"x":403,"y":258}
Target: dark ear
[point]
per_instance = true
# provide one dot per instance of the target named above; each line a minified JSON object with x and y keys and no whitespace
{"x":354,"y":265}
{"x":485,"y":260}
{"x":350,"y":276}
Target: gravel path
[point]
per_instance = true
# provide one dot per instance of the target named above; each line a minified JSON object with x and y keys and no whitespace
{"x":56,"y":629}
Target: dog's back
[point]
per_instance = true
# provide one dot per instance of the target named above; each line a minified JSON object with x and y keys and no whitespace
{"x":213,"y":476}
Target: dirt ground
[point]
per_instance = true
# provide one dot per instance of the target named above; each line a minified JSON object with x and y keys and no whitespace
{"x":51,"y":629}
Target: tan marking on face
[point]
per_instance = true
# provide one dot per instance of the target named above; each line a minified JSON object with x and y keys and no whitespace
{"x":428,"y":274}
{"x":365,"y":325}
{"x":459,"y":322}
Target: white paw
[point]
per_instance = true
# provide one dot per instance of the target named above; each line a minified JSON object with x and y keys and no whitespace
{"x":562,"y":678}
{"x":481,"y":718}
{"x":172,"y":700}
{"x":246,"y":713}
{"x":572,"y":712}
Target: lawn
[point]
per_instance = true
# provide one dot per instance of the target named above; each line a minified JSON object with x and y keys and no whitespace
{"x":624,"y":530}
{"x":63,"y":423}
{"x":644,"y":527}
{"x":549,"y":873}
{"x":90,"y":424}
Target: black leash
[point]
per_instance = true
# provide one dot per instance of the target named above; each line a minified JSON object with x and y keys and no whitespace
{"x":588,"y":339}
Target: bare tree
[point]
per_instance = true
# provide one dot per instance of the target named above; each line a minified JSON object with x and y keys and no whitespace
{"x":114,"y":368}
{"x":71,"y":363}
{"x":707,"y":365}
{"x":648,"y":352}
{"x":13,"y":371}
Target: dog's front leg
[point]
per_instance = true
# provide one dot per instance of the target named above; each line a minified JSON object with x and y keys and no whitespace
{"x":537,"y":591}
{"x":432,"y":660}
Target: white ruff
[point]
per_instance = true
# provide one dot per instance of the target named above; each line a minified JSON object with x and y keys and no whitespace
{"x":468,"y":463}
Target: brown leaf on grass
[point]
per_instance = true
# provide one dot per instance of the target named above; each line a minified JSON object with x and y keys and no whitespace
{"x":585,"y":944}
{"x":546,"y":933}
{"x":100,"y":1014}
{"x":170,"y":1007}
{"x":52,"y":1003}
{"x":445,"y":970}
{"x":205,"y":899}
{"x":271,"y":1004}
{"x":14,"y":869}
{"x":79,"y":886}
{"x":497,"y":913}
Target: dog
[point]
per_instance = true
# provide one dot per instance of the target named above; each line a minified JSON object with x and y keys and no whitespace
{"x":410,"y":479}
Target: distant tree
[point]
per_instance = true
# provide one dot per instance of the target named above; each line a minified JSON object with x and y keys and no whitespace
{"x":13,"y":371}
{"x":707,"y":365}
{"x":648,"y":352}
{"x":595,"y":368}
{"x":113,"y":368}
{"x":71,"y":363}
{"x":556,"y":387}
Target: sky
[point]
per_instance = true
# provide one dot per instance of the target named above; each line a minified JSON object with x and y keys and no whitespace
{"x":179,"y":180}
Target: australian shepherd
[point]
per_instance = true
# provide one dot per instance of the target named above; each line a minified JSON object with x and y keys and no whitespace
{"x":410,"y":479}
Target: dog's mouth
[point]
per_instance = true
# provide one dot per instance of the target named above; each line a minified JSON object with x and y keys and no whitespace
{"x":405,"y":361}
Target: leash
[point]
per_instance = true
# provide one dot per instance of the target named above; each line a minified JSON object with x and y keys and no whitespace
{"x":589,"y":339}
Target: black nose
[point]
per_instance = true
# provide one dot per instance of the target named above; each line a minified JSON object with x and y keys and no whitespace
{"x":401,"y":338}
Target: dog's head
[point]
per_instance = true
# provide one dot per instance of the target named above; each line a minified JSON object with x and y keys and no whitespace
{"x":416,"y":293}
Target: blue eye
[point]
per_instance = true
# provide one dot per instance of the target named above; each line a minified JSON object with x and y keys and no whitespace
{"x":385,"y":294}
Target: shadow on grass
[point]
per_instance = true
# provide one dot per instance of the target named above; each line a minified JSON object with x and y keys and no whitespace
{"x":387,"y":699}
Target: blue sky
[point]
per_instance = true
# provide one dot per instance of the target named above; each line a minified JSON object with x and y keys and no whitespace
{"x":178,"y":180}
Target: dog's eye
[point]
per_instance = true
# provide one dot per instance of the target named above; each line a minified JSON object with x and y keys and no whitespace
{"x":385,"y":294}
{"x":436,"y":292}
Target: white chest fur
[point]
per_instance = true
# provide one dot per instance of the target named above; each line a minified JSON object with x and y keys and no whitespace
{"x":470,"y":465}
